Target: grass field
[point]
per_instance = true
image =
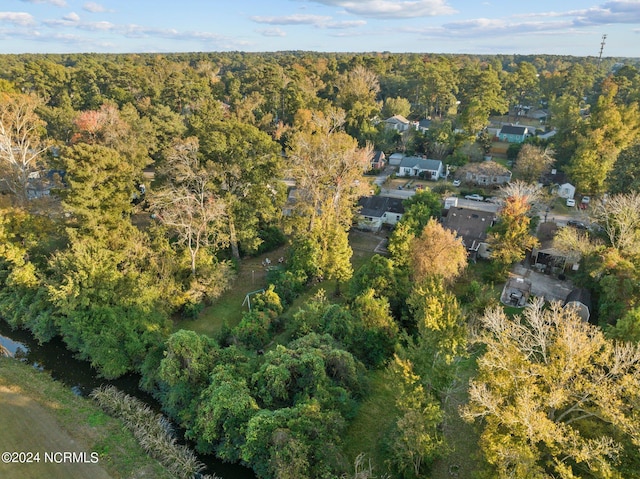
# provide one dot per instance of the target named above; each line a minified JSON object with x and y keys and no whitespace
{"x":40,"y":415}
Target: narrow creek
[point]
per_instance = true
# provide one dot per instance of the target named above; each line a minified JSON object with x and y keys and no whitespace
{"x":81,"y":378}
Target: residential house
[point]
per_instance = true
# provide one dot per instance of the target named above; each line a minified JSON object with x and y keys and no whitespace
{"x":580,"y":300}
{"x":472,"y":226}
{"x":422,"y":167}
{"x":377,"y":211}
{"x":486,"y":173}
{"x":423,"y":125}
{"x":398,"y":123}
{"x":513,"y":133}
{"x":378,"y":161}
{"x":566,"y":190}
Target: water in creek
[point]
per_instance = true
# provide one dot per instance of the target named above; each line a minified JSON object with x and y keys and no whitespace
{"x":78,"y":375}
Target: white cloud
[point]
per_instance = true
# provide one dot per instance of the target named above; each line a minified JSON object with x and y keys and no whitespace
{"x":17,"y":18}
{"x":72,"y":17}
{"x":392,"y":8}
{"x":345,"y":24}
{"x":272,"y":32}
{"x":94,"y":7}
{"x":296,"y":19}
{"x":57,"y":3}
{"x":317,"y":21}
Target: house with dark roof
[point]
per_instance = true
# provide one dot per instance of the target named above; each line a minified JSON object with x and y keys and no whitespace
{"x":422,"y":167}
{"x":513,"y":133}
{"x":580,"y":300}
{"x":423,"y":125}
{"x":378,"y":161}
{"x":377,"y":211}
{"x":471,"y":226}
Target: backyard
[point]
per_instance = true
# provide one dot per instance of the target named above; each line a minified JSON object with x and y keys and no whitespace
{"x":252,"y":276}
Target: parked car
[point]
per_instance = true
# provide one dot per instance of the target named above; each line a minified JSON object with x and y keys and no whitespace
{"x":474,"y":197}
{"x":456,"y":183}
{"x":577,"y":224}
{"x":586,"y":200}
{"x":571,"y":202}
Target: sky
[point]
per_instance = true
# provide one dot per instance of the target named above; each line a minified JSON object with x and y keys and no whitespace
{"x":558,"y":27}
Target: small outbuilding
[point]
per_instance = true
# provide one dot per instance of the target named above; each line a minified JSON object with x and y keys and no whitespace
{"x":580,"y":300}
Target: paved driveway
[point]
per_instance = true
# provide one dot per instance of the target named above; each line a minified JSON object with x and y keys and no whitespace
{"x":545,"y":285}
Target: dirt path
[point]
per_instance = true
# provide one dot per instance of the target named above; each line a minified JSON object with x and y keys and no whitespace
{"x":29,"y":427}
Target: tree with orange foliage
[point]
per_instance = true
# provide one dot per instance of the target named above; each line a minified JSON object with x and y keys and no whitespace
{"x":511,"y":237}
{"x":437,"y":252}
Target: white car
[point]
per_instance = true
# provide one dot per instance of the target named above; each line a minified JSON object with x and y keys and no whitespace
{"x":586,"y":200}
{"x":474,"y":197}
{"x":456,"y":182}
{"x":571,"y":202}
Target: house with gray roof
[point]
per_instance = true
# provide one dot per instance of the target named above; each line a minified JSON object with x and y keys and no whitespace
{"x":472,"y":226}
{"x":421,"y":167}
{"x":376,"y":211}
{"x":513,"y":133}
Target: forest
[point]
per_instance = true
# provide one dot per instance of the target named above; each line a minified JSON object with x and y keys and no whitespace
{"x":134,"y":187}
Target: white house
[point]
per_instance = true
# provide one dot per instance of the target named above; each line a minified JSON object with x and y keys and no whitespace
{"x":417,"y":166}
{"x":398,"y":123}
{"x":566,"y":190}
{"x":376,"y":211}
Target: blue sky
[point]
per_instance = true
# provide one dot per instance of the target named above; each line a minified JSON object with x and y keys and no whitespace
{"x":563,"y":27}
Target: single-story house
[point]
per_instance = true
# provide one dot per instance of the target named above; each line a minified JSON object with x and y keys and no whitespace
{"x":513,"y":133}
{"x":566,"y":190}
{"x":423,"y":167}
{"x":376,"y":211}
{"x":486,"y":173}
{"x":378,"y":161}
{"x":398,"y":123}
{"x":395,"y":159}
{"x":471,"y":226}
{"x":580,"y":299}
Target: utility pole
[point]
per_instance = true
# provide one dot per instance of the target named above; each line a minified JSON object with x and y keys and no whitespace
{"x":604,"y":38}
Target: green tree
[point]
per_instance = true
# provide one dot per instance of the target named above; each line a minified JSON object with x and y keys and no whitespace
{"x":554,"y":397}
{"x":245,"y":165}
{"x":481,"y":94}
{"x":415,"y":441}
{"x":395,"y":106}
{"x":108,"y":305}
{"x":625,"y":175}
{"x":222,"y":413}
{"x":441,"y":337}
{"x":101,"y":185}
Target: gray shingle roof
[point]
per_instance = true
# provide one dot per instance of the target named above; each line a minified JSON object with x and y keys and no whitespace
{"x":420,"y":163}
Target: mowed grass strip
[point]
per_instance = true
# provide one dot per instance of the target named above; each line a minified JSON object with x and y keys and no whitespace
{"x":373,"y":421}
{"x":39,"y":414}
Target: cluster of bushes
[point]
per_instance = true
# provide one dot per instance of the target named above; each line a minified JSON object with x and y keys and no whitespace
{"x":282,"y":412}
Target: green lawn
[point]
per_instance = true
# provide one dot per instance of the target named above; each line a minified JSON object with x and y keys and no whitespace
{"x":41,"y":415}
{"x":374,"y":419}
